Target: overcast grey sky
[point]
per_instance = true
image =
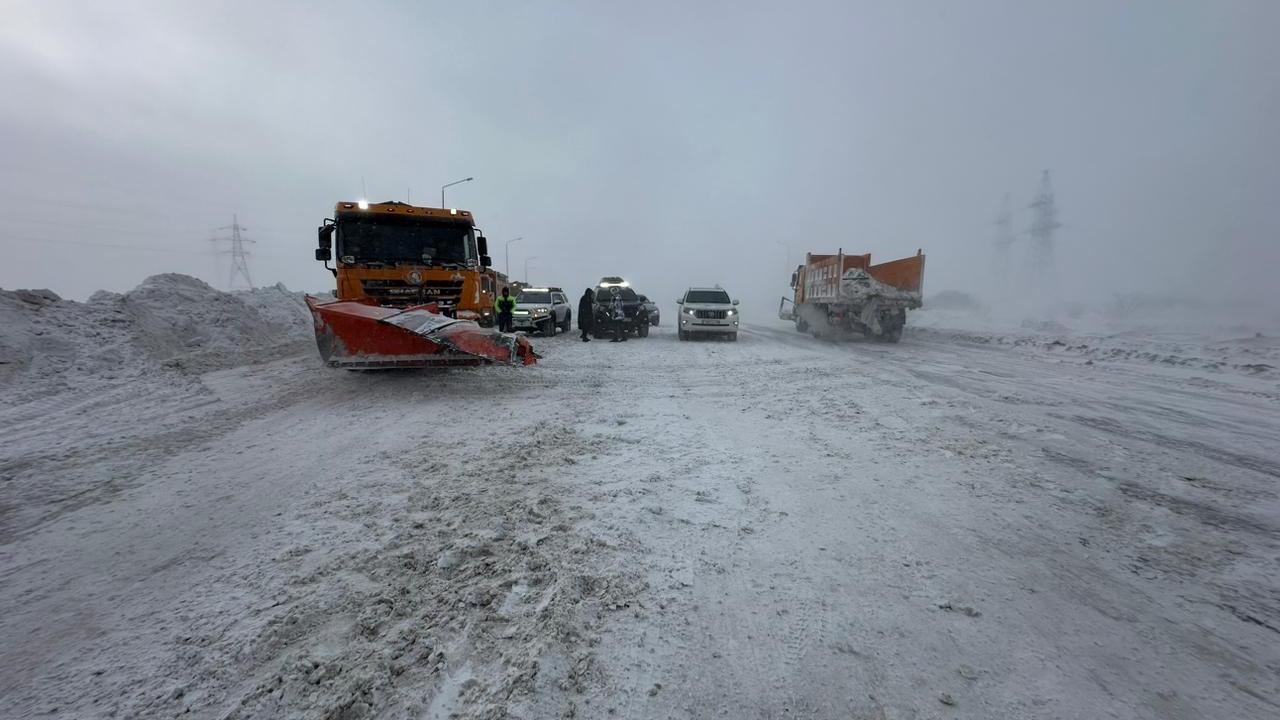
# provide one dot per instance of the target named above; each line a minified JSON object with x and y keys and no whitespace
{"x":675,"y":143}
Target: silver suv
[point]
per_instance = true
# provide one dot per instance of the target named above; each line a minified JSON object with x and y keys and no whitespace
{"x":543,"y":309}
{"x":709,"y":311}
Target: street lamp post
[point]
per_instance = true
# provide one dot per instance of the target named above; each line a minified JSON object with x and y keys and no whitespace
{"x":508,"y":248}
{"x":456,"y":182}
{"x":526,"y":267}
{"x":788,"y":247}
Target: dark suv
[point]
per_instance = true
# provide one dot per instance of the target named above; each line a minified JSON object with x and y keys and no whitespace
{"x":635,"y":309}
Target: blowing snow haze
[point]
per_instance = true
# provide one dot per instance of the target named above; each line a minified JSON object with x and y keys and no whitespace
{"x":967,"y":484}
{"x":675,"y":144}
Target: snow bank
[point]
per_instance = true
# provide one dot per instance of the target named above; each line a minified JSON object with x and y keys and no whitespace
{"x":1172,"y":333}
{"x":168,"y":323}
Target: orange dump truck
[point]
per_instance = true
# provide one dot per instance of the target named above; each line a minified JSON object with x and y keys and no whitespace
{"x":842,"y":292}
{"x":415,"y":288}
{"x":402,"y":255}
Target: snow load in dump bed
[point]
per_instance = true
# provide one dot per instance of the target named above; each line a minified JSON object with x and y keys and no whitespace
{"x":859,"y":287}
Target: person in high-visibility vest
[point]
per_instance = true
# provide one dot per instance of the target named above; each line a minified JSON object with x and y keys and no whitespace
{"x":505,"y":305}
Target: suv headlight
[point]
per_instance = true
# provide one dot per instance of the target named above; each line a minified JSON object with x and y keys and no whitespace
{"x":689,"y":311}
{"x":730,"y":313}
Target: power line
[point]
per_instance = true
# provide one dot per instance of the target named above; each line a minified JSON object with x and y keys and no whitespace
{"x":1003,"y":241}
{"x":136,"y":248}
{"x":239,"y":256}
{"x":1043,"y":224}
{"x":116,"y":246}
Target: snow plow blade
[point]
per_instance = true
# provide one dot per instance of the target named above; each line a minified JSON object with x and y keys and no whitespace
{"x":360,"y":334}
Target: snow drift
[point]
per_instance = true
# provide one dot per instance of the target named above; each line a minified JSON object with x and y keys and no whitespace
{"x":168,"y":323}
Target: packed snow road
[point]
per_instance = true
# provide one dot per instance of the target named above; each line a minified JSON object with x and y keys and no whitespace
{"x":778,"y":527}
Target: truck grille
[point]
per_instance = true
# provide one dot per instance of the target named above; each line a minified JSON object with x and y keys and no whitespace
{"x":709,"y":314}
{"x":399,"y":293}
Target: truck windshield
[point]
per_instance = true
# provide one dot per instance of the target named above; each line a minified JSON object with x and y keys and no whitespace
{"x":543,"y":298}
{"x":376,"y":237}
{"x":707,"y":296}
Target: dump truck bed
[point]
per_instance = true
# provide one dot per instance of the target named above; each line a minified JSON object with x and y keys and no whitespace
{"x":839,"y":293}
{"x":822,"y":279}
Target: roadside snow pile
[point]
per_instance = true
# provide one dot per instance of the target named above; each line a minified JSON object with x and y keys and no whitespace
{"x":1198,"y":340}
{"x":169,"y":322}
{"x":283,"y":308}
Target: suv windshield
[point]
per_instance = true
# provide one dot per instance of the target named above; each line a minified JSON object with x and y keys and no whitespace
{"x":707,"y":296}
{"x":542,"y":298}
{"x":375,"y":237}
{"x":605,"y":294}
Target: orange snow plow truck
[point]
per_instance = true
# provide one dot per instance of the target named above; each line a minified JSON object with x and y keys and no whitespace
{"x":414,"y":289}
{"x":834,"y":293}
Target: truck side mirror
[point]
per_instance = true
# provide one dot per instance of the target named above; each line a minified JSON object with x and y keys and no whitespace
{"x":325,"y":232}
{"x":323,"y":254}
{"x":795,"y":278}
{"x":680,"y":301}
{"x":735,"y":302}
{"x":483,"y":243}
{"x":486,"y":261}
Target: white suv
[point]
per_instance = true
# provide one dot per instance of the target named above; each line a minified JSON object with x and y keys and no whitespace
{"x":543,"y":309}
{"x":708,"y":311}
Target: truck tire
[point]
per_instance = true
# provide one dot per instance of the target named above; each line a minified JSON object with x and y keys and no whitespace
{"x":549,"y":329}
{"x":643,"y":330}
{"x":682,"y":335}
{"x":733,"y":337}
{"x":893,"y":326}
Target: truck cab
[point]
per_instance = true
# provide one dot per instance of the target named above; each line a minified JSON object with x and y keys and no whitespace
{"x":403,"y":255}
{"x":707,"y":311}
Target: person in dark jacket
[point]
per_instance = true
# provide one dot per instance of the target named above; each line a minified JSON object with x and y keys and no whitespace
{"x":586,"y":314}
{"x":505,"y":306}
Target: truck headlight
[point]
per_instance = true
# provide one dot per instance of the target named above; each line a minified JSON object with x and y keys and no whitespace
{"x":730,"y":313}
{"x":689,"y":311}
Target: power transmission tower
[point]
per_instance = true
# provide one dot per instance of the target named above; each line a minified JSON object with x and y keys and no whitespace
{"x":1003,"y":241}
{"x":239,"y":256}
{"x":1043,"y":224}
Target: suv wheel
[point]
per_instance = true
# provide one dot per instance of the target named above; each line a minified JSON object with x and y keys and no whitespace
{"x":568,"y":322}
{"x":549,"y":329}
